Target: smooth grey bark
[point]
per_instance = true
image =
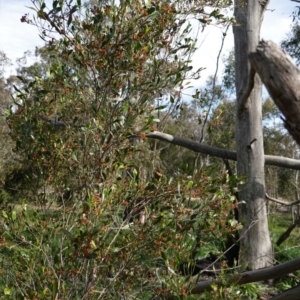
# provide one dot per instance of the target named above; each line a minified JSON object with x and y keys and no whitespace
{"x":256,"y":249}
{"x":271,"y":160}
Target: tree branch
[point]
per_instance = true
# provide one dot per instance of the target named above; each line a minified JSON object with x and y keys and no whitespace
{"x":252,"y":276}
{"x":197,"y":147}
{"x":282,"y":80}
{"x":192,"y":145}
{"x":287,"y":233}
{"x":219,"y":152}
{"x":291,"y":294}
{"x":282,"y":202}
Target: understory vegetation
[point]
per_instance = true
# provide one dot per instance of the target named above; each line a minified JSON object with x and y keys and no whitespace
{"x":91,"y":207}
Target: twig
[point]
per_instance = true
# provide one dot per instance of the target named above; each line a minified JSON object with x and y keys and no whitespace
{"x":214,"y":82}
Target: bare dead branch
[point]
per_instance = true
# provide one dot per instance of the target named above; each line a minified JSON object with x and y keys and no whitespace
{"x":192,"y":145}
{"x":197,"y":147}
{"x":252,"y":276}
{"x":219,"y":152}
{"x":287,"y":233}
{"x":291,"y":294}
{"x":282,"y":80}
{"x":282,"y":202}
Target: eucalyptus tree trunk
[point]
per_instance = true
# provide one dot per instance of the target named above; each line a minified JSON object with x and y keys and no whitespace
{"x":256,"y":249}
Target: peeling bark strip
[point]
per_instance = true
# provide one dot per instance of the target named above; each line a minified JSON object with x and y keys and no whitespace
{"x":282,"y":80}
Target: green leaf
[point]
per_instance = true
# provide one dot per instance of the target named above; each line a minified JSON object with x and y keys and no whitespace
{"x":67,"y":234}
{"x":42,"y":15}
{"x":164,"y":256}
{"x":151,"y":10}
{"x":24,"y":206}
{"x":74,"y":8}
{"x":30,"y":7}
{"x":74,"y":157}
{"x":138,"y":46}
{"x":190,"y":184}
{"x":55,"y":3}
{"x":54,"y":289}
{"x":116,"y":250}
{"x":157,"y":79}
{"x":4,"y":214}
{"x":203,"y":20}
{"x":22,"y":79}
{"x":104,"y":194}
{"x":17,"y":89}
{"x":150,"y":120}
{"x":161,"y":107}
{"x":70,"y":19}
{"x":13,"y":215}
{"x":7,"y":291}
